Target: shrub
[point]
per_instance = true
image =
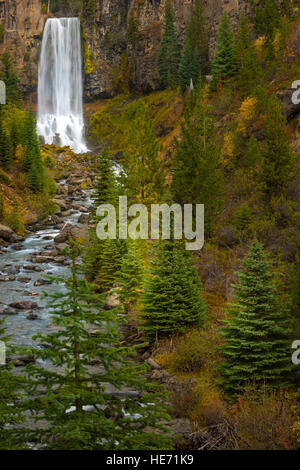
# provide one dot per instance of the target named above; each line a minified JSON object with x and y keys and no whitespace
{"x":264,"y":422}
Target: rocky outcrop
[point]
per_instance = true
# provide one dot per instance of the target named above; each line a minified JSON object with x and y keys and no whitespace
{"x":104,"y":42}
{"x":23,"y":23}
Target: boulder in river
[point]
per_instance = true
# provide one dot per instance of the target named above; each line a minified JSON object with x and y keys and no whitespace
{"x":24,"y":305}
{"x":8,"y":311}
{"x":32,"y":316}
{"x":62,"y":204}
{"x":7,"y":233}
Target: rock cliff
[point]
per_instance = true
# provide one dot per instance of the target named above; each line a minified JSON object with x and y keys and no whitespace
{"x":104,"y":43}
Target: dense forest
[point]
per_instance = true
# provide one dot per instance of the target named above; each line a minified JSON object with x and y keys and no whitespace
{"x":197,"y":346}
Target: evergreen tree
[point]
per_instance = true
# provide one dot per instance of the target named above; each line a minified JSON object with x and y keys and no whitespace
{"x":5,"y":146}
{"x":196,"y":175}
{"x":131,"y":276}
{"x":32,"y":161}
{"x":82,"y":405}
{"x":266,"y":17}
{"x":11,"y":80}
{"x":10,"y":398}
{"x":105,"y":182}
{"x":257,"y":333}
{"x":277,"y":155}
{"x":133,"y":38}
{"x":224,"y":62}
{"x":144,"y":172}
{"x":189,"y":67}
{"x":198,"y":35}
{"x":103,"y":258}
{"x":169,"y":54}
{"x":194,"y":59}
{"x":248,"y":69}
{"x":172,"y":296}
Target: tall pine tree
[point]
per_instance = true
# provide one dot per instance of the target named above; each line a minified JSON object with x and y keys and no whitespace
{"x":171,"y":301}
{"x":194,"y":59}
{"x":169,"y":54}
{"x":257,"y":333}
{"x":196,"y":174}
{"x":86,"y":406}
{"x":224,"y":61}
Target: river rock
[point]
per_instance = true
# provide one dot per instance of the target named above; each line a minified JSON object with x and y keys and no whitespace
{"x":7,"y":233}
{"x":83,"y":219}
{"x":8,"y":278}
{"x":44,"y":259}
{"x":62,"y":204}
{"x":32,"y":316}
{"x":24,"y":305}
{"x":8,"y":311}
{"x":42,"y":282}
{"x":61,"y":246}
{"x":24,"y":280}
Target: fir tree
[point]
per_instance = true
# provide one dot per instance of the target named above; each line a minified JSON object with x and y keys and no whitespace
{"x":266,"y":17}
{"x":189,"y":67}
{"x":131,"y":276}
{"x":194,"y":59}
{"x":83,"y":406}
{"x":224,"y":63}
{"x":257,"y":333}
{"x":277,"y":155}
{"x":11,"y":80}
{"x":198,"y":35}
{"x":10,"y":399}
{"x":103,"y":257}
{"x":144,"y":172}
{"x":133,"y":38}
{"x":171,"y":301}
{"x":248,"y":68}
{"x":169,"y":54}
{"x":32,"y":161}
{"x":5,"y":146}
{"x":196,"y":175}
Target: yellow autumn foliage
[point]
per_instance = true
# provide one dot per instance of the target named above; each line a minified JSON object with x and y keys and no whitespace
{"x":246,"y":113}
{"x":227,"y":152}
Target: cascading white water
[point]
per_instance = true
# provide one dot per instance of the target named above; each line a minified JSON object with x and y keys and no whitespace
{"x":60,"y":112}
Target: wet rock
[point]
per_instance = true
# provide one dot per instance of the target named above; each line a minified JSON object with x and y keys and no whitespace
{"x":61,"y":204}
{"x":8,"y":278}
{"x":24,"y":305}
{"x":44,"y":259}
{"x":61,"y":246}
{"x":21,"y":361}
{"x":24,"y":280}
{"x":66,"y":213}
{"x":13,"y":270}
{"x":8,"y":311}
{"x":42,"y":282}
{"x":83,"y":219}
{"x":32,"y":316}
{"x":7,"y":233}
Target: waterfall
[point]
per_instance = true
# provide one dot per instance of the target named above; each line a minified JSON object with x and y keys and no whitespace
{"x":60,"y":111}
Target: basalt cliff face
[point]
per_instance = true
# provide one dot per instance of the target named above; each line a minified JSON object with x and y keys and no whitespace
{"x":104,"y":38}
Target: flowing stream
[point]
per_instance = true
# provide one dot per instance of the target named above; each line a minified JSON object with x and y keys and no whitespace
{"x":60,"y":110}
{"x":17,"y":260}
